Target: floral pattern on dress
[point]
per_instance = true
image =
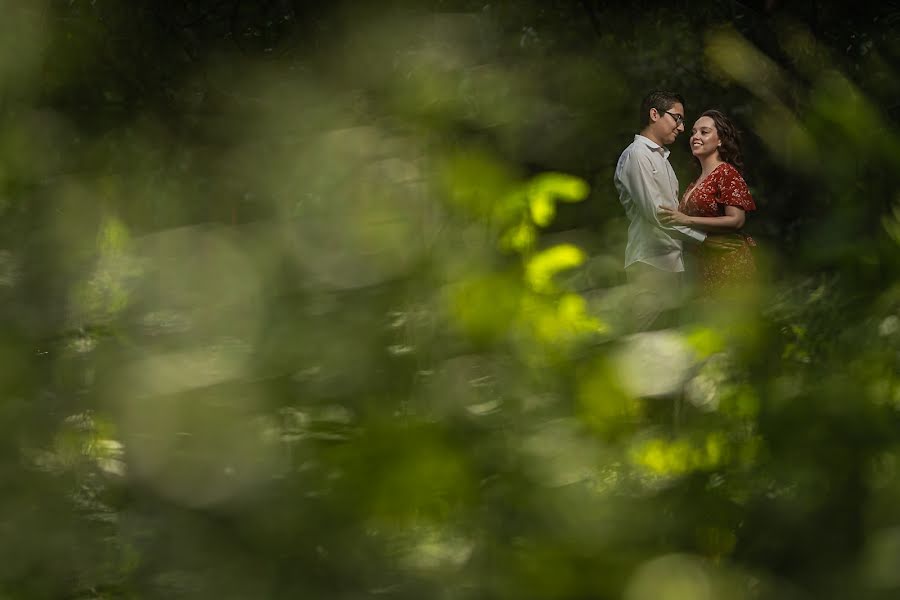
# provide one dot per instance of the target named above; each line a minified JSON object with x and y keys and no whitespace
{"x":723,"y":187}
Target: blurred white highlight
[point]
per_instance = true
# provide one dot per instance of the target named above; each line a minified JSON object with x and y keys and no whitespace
{"x":654,"y":363}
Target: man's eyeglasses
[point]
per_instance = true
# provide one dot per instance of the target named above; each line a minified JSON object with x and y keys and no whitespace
{"x":679,"y":119}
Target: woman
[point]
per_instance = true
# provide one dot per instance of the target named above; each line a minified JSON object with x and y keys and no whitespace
{"x":716,"y":203}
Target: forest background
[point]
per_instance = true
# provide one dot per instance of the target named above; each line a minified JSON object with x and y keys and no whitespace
{"x":326,"y":302}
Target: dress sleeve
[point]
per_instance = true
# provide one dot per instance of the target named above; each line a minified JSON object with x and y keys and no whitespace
{"x":733,"y":190}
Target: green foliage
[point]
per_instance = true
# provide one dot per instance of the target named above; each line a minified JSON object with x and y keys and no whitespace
{"x":319,"y":302}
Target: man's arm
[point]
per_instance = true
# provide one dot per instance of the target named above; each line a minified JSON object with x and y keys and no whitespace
{"x":646,"y":191}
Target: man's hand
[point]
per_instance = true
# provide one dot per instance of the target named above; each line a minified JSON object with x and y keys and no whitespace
{"x":724,"y":243}
{"x":668,"y":216}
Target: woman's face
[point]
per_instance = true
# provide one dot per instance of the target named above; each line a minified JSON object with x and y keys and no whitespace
{"x":704,"y":138}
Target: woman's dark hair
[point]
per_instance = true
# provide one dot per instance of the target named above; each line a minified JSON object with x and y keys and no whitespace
{"x":730,"y":150}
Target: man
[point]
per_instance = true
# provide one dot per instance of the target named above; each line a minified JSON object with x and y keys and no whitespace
{"x":654,"y":264}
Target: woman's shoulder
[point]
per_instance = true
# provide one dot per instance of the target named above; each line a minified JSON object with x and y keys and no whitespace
{"x":734,"y":190}
{"x":727,"y":172}
{"x":726,"y":169}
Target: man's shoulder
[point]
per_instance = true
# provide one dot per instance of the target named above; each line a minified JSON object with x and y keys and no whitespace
{"x":636,"y":149}
{"x":640,"y":145}
{"x":634,"y":143}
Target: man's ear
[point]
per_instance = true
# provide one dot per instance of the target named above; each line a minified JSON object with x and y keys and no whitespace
{"x":654,"y":115}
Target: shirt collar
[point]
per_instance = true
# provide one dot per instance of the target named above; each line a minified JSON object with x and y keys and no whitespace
{"x":653,"y":145}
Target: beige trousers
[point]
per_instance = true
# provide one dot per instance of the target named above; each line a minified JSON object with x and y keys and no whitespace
{"x":654,"y":297}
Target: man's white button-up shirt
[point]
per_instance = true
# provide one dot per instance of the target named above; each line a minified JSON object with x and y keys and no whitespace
{"x":646,"y":180}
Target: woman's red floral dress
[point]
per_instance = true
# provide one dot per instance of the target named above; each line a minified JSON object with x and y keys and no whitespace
{"x":724,"y":186}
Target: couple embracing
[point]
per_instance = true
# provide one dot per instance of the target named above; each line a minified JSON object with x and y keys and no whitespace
{"x":706,"y":223}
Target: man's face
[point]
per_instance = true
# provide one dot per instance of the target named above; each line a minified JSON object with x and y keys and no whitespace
{"x":669,"y":123}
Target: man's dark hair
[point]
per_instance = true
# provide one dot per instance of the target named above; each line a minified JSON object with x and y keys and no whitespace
{"x":659,"y":100}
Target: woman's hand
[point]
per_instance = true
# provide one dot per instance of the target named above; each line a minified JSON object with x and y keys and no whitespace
{"x":668,"y":216}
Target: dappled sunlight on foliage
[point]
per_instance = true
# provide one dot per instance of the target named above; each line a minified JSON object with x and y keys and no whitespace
{"x":679,"y":576}
{"x":329,"y":303}
{"x":106,"y":292}
{"x":664,"y":458}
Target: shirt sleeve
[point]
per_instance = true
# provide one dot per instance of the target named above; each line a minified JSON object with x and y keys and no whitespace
{"x":733,"y":190}
{"x":645,"y":191}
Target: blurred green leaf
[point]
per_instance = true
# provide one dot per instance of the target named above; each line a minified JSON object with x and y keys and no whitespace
{"x":541,"y":267}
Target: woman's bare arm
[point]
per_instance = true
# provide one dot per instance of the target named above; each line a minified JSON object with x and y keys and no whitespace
{"x":732,"y":220}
